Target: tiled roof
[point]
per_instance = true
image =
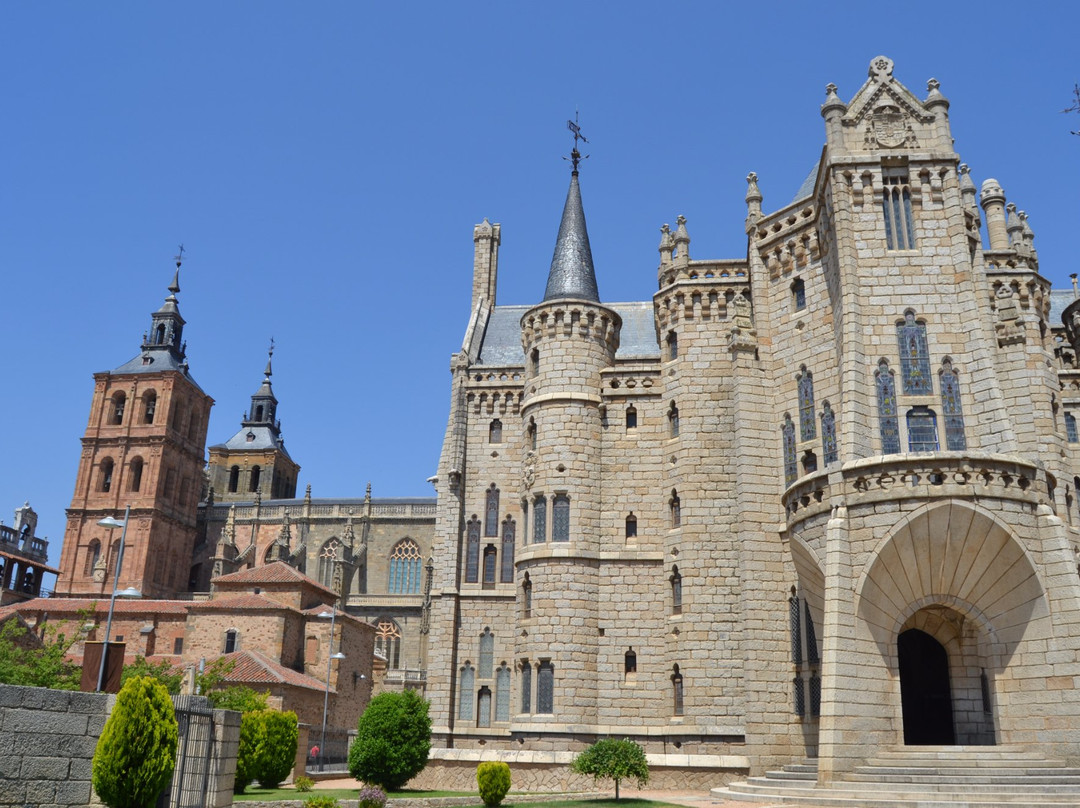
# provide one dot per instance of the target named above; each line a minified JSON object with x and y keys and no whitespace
{"x":240,"y":603}
{"x":254,"y":668}
{"x":276,"y":572}
{"x":123,"y":606}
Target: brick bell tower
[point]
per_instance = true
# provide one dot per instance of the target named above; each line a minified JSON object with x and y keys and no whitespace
{"x":144,"y":446}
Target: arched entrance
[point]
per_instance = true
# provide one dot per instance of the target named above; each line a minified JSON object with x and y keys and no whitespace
{"x":925,"y":694}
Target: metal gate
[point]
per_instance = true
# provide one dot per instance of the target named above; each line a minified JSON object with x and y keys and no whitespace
{"x":190,"y":784}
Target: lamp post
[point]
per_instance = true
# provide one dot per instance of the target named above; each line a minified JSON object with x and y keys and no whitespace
{"x":332,"y":614}
{"x":111,"y":523}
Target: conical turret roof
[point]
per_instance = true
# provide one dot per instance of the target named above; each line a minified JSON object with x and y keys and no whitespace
{"x":572,"y":274}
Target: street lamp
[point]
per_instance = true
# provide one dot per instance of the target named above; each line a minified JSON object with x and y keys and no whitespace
{"x":131,"y":592}
{"x":332,"y":614}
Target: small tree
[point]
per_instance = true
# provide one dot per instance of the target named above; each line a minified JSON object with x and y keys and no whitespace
{"x":393,"y":741}
{"x":136,"y":752}
{"x":238,"y":697}
{"x":164,"y":671}
{"x":275,"y":746}
{"x":617,"y":760}
{"x":32,"y":661}
{"x":245,"y":753}
{"x":493,"y":779}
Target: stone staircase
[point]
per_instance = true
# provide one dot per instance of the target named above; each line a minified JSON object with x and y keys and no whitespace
{"x":923,"y":777}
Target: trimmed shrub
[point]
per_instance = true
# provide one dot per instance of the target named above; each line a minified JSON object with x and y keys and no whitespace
{"x":393,"y":741}
{"x":615,"y":760}
{"x":275,"y":746}
{"x":245,"y":754}
{"x":321,"y":802}
{"x":493,"y":778}
{"x":371,"y":797}
{"x":304,"y":783}
{"x":136,"y":752}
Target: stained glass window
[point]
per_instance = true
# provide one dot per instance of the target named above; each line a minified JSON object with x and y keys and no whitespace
{"x":490,"y":562}
{"x":540,"y":520}
{"x":922,"y":430}
{"x":472,"y":551}
{"x":791,"y":465}
{"x":404,"y":568}
{"x":483,"y":711}
{"x":560,"y":518}
{"x":888,"y":421}
{"x":828,"y":434}
{"x":487,"y":654}
{"x":677,"y":690}
{"x":502,"y":694}
{"x":491,"y":512}
{"x":676,"y":591}
{"x":952,"y":409}
{"x":914,"y":356}
{"x":526,"y":686}
{"x":545,"y":688}
{"x":507,"y":572}
{"x":1070,"y":428}
{"x":806,"y":405}
{"x":465,"y":697}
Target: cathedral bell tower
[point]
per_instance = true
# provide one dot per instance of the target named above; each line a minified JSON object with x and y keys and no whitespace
{"x":144,"y":447}
{"x":254,"y":459}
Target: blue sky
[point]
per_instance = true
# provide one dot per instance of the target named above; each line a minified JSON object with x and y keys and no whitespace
{"x":324,"y":163}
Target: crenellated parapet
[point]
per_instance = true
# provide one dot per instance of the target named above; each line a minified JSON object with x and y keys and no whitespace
{"x":787,"y":240}
{"x":577,"y":320}
{"x":495,"y":401}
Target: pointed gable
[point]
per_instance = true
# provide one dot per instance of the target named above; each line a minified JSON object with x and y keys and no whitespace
{"x":277,"y":581}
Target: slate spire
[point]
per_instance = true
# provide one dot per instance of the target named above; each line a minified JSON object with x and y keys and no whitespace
{"x":572,"y":274}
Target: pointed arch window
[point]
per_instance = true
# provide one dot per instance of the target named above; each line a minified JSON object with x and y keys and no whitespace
{"x":404,"y":568}
{"x":896,"y":209}
{"x":676,"y":690}
{"x":465,"y":696}
{"x":506,"y":574}
{"x":629,"y":663}
{"x":1070,"y":428}
{"x":805,"y":381}
{"x":888,"y":418}
{"x":487,"y":654}
{"x":115,"y":563}
{"x":490,"y":564}
{"x":540,"y":519}
{"x":922,"y":430}
{"x":135,"y":470}
{"x":914,"y":356}
{"x":526,"y":686}
{"x":631,"y":526}
{"x":93,"y":553}
{"x":675,"y":509}
{"x":491,"y":512}
{"x":560,"y":518}
{"x":526,"y":597}
{"x":828,"y":433}
{"x":676,"y":590}
{"x":472,"y":551}
{"x":545,"y":688}
{"x":330,"y":554}
{"x":149,"y":407}
{"x":116,"y":411}
{"x":483,"y":707}
{"x":495,"y":430}
{"x":791,"y":463}
{"x":673,"y":420}
{"x":952,"y":408}
{"x":106,"y":474}
{"x":502,"y":694}
{"x":234,"y":479}
{"x":388,"y":642}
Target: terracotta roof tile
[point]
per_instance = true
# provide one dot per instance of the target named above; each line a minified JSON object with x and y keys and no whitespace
{"x":240,"y":602}
{"x":276,"y":572}
{"x":255,"y":668}
{"x":55,"y":606}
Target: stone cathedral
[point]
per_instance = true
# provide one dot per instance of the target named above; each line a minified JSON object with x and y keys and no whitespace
{"x":815,"y":503}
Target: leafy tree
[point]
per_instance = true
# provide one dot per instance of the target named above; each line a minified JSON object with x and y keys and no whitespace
{"x":613,"y":759}
{"x":136,"y":752}
{"x":393,"y":741}
{"x":164,"y":671}
{"x":245,"y":754}
{"x":275,"y":746}
{"x":238,"y":697}
{"x":213,"y":676}
{"x":32,"y":661}
{"x":493,"y":778}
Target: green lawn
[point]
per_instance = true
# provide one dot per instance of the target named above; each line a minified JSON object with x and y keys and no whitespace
{"x":275,"y":794}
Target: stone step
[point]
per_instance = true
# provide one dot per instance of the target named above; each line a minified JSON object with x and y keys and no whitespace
{"x":855,"y":798}
{"x":962,"y":773}
{"x":785,"y":774}
{"x":1007,"y":785}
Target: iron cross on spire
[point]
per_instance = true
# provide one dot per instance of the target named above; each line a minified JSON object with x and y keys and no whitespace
{"x":179,"y":257}
{"x":575,"y":156}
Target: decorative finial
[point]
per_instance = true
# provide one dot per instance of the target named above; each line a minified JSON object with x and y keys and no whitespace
{"x":881,"y":68}
{"x":753,"y":193}
{"x":269,"y":355}
{"x":179,"y":257}
{"x":174,"y":287}
{"x":575,"y":156}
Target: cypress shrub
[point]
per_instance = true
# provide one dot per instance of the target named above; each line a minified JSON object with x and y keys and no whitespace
{"x":245,"y":755}
{"x":275,"y":746}
{"x":136,"y":752}
{"x":493,"y":778}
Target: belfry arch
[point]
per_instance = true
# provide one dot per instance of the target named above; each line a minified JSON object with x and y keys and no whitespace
{"x":948,"y":597}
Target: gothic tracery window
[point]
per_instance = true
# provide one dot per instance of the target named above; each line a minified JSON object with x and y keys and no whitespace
{"x":465,"y":696}
{"x":487,"y":654}
{"x":828,"y":433}
{"x":506,"y":574}
{"x":472,"y":551}
{"x":405,"y":568}
{"x":888,"y":418}
{"x":805,"y":381}
{"x":896,"y":209}
{"x":388,"y":642}
{"x":332,"y":551}
{"x":952,"y":409}
{"x":491,"y":512}
{"x":791,"y":464}
{"x":914,"y":356}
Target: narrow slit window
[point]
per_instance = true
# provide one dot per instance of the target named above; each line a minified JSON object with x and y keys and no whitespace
{"x":888,"y":418}
{"x":791,"y":464}
{"x":828,"y":434}
{"x":472,"y":551}
{"x":805,"y":380}
{"x":953,"y":412}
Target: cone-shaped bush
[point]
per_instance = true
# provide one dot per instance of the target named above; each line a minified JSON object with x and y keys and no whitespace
{"x":493,"y":778}
{"x":393,"y":740}
{"x":245,"y":755}
{"x":275,"y":747}
{"x":136,"y":752}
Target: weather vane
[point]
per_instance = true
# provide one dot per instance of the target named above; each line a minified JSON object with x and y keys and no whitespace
{"x":575,"y":156}
{"x":271,"y":346}
{"x":179,"y":257}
